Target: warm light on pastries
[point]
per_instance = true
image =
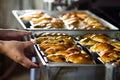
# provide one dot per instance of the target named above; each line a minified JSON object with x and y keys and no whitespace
{"x":107,"y":48}
{"x":109,"y":55}
{"x":82,"y":21}
{"x":69,"y":20}
{"x":30,"y":16}
{"x":116,"y":44}
{"x":58,"y":47}
{"x":56,"y":58}
{"x":98,"y":47}
{"x":98,"y":37}
{"x":79,"y":58}
{"x":44,"y":19}
{"x":87,"y":41}
{"x":63,"y":53}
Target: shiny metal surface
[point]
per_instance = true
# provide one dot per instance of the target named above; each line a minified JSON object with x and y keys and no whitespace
{"x":26,"y":25}
{"x":69,"y":71}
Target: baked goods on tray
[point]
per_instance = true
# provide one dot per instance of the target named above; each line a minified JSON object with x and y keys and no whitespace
{"x":104,"y":46}
{"x":30,"y":16}
{"x":70,"y":20}
{"x":110,"y":55}
{"x":82,"y":21}
{"x":59,"y":47}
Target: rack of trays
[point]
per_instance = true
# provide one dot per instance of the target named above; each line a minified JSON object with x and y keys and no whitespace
{"x":72,"y":45}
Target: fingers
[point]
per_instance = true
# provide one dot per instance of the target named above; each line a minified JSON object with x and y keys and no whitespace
{"x":28,"y":63}
{"x":24,"y":33}
{"x":29,"y":43}
{"x":30,"y":52}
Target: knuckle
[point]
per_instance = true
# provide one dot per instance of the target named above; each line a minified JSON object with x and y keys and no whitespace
{"x":19,"y":59}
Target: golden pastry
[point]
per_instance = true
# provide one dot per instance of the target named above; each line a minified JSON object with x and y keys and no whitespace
{"x":98,"y":47}
{"x":30,"y":16}
{"x":73,"y":49}
{"x":79,"y":58}
{"x":117,"y":62}
{"x":87,"y":41}
{"x":98,"y":37}
{"x":50,"y":51}
{"x":91,"y":20}
{"x":44,"y":19}
{"x":45,"y":45}
{"x":92,"y":27}
{"x":56,"y":23}
{"x":109,"y":55}
{"x":82,"y":15}
{"x":56,"y":58}
{"x":116,"y":44}
{"x":63,"y":53}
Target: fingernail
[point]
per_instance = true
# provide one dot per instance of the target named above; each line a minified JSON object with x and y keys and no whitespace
{"x":34,"y":42}
{"x":28,"y":32}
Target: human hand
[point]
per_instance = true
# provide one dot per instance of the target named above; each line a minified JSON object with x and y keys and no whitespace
{"x":15,"y":51}
{"x":13,"y":34}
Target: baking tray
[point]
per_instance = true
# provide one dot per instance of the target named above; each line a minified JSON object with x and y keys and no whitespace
{"x":27,"y":25}
{"x":113,"y":34}
{"x":68,"y":71}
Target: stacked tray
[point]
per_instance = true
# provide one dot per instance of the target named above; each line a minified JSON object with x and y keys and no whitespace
{"x":70,"y":20}
{"x":106,"y":45}
{"x":64,"y":68}
{"x":60,"y":70}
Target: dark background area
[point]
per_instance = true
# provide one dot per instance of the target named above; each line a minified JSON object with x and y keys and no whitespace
{"x":110,"y":9}
{"x":107,"y":9}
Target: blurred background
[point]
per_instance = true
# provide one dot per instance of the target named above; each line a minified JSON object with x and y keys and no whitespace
{"x":108,"y":9}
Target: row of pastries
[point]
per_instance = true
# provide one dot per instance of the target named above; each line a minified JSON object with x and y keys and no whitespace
{"x":69,"y":20}
{"x":59,"y":47}
{"x":82,"y":21}
{"x":43,"y":20}
{"x":62,"y":48}
{"x":107,"y":48}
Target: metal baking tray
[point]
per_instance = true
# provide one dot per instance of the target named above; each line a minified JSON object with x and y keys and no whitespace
{"x":68,"y":71}
{"x":27,"y":25}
